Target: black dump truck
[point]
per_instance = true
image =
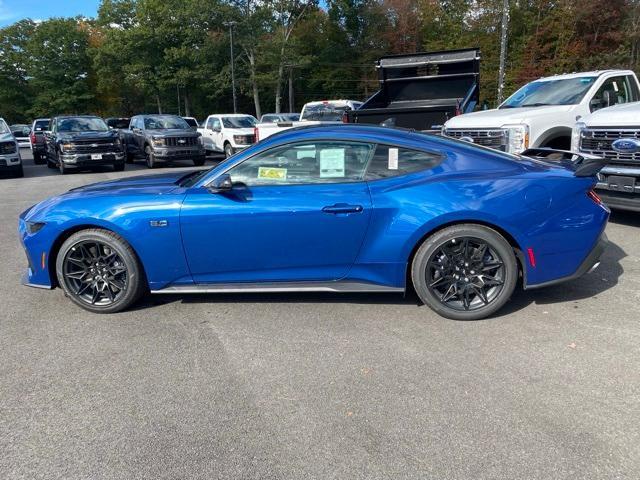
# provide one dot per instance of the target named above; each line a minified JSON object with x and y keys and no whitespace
{"x":422,"y":90}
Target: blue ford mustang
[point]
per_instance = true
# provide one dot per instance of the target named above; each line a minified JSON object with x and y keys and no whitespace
{"x":339,"y":208}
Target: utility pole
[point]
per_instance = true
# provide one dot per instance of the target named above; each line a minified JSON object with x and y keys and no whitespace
{"x":503,"y":49}
{"x":231,"y":24}
{"x":178,"y":89}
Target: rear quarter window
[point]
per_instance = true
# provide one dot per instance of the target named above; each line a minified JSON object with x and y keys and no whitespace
{"x":389,"y":161}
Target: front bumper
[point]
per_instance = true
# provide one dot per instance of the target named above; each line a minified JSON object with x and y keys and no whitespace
{"x":36,"y":248}
{"x":169,"y":154}
{"x":589,"y":264}
{"x":84,"y":160}
{"x":623,"y":197}
{"x":9,"y":163}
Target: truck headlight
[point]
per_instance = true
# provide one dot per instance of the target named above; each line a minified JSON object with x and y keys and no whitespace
{"x":517,"y":137}
{"x":66,"y":146}
{"x":576,"y":134}
{"x":157,"y":142}
{"x":117,"y":141}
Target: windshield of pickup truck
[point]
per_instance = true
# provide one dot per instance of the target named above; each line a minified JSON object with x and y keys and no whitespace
{"x":165,"y":122}
{"x":81,"y":124}
{"x":239,"y":122}
{"x":565,"y":91}
{"x":327,"y":112}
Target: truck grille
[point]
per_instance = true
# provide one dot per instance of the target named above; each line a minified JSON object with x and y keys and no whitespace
{"x":487,"y":138}
{"x":94,"y":146}
{"x":598,"y":142}
{"x":181,"y":141}
{"x":7,"y":147}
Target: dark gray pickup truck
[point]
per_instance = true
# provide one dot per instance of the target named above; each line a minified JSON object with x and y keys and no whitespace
{"x":162,"y":138}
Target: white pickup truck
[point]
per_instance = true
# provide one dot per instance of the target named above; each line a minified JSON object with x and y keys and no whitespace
{"x":613,"y":133}
{"x":228,"y":133}
{"x":313,"y":113}
{"x":543,"y":112}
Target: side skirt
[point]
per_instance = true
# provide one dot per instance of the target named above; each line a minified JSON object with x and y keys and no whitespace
{"x":340,"y":286}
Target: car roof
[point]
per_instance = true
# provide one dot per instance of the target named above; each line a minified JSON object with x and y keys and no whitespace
{"x":593,"y":73}
{"x":77,"y":116}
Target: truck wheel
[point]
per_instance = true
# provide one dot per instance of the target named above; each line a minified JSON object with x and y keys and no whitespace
{"x":50,"y":164}
{"x":118,"y":167}
{"x":19,"y":172}
{"x":149,"y":157}
{"x":198,"y":162}
{"x":37,"y":159}
{"x":228,"y":150}
{"x":61,"y":166}
{"x":128,"y":157}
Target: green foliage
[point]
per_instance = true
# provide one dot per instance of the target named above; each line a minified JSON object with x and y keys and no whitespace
{"x":173,"y":55}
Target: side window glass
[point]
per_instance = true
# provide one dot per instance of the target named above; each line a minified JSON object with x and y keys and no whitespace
{"x":613,"y":91}
{"x":210,"y":124}
{"x":305,"y":163}
{"x":633,"y":89}
{"x":216,"y":124}
{"x":391,"y":161}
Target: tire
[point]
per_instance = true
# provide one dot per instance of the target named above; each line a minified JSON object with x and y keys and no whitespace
{"x":465,"y":272}
{"x":198,"y":162}
{"x":19,"y":172}
{"x":228,"y":150}
{"x":149,"y":157}
{"x":61,"y":167}
{"x":99,"y":271}
{"x":118,"y":167}
{"x":50,"y":164}
{"x":37,"y":159}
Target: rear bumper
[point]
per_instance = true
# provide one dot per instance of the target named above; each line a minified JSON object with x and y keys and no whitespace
{"x":590,"y":263}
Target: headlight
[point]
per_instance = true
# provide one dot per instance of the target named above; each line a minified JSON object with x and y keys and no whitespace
{"x":34,"y":227}
{"x":517,"y":137}
{"x":157,"y":142}
{"x":576,"y":133}
{"x":117,"y":141}
{"x":66,"y":146}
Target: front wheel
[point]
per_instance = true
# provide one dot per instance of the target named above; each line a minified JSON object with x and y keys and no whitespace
{"x":198,"y":162}
{"x":99,"y":271}
{"x":118,"y":167}
{"x":465,"y":272}
{"x":61,"y":166}
{"x":149,"y":157}
{"x":228,"y":150}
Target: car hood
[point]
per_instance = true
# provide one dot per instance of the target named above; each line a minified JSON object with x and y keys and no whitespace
{"x":6,"y":137}
{"x":173,"y":132}
{"x":155,"y":183}
{"x":623,"y":115}
{"x":76,"y":136}
{"x":504,"y":116}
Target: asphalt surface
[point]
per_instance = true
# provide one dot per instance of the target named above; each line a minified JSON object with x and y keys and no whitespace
{"x":317,"y":386}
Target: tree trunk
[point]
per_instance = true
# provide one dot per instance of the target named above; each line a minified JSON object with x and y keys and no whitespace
{"x":292,"y":101}
{"x":280,"y":79}
{"x":254,"y":83}
{"x":158,"y":102}
{"x":187,"y":105}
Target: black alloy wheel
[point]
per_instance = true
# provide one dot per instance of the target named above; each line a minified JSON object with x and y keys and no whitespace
{"x":149,"y":157}
{"x":465,"y":272}
{"x":99,"y":271}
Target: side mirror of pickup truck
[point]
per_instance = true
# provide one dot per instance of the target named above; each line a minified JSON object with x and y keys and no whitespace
{"x":221,"y":184}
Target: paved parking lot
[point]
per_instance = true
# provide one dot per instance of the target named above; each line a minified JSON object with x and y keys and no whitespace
{"x":305,"y":386}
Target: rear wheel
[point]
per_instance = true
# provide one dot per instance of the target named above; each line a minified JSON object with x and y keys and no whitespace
{"x":37,"y":158}
{"x":99,"y":271}
{"x":465,"y":272}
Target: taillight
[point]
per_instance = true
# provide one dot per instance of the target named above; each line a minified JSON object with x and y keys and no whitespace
{"x":345,"y":118}
{"x":594,"y":196}
{"x":256,"y":135}
{"x":32,"y":137}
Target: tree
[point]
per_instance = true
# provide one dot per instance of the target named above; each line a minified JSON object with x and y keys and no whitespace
{"x":15,"y":91}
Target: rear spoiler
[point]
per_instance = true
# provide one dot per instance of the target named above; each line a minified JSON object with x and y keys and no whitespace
{"x":582,"y":164}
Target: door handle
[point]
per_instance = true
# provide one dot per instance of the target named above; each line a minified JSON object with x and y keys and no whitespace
{"x":342,"y":208}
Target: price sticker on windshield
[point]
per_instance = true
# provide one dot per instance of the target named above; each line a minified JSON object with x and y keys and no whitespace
{"x":393,"y":159}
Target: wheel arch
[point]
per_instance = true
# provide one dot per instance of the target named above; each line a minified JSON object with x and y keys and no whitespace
{"x":65,"y":234}
{"x":552,"y":135}
{"x":520,"y":260}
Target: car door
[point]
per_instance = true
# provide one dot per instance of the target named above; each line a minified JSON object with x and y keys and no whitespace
{"x":207,"y":137}
{"x":49,"y":140}
{"x":138,"y":134}
{"x":296,"y":213}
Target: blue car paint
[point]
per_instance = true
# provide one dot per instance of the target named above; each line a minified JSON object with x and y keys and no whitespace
{"x":279,"y":233}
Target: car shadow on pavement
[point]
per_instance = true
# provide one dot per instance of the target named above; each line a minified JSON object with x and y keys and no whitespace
{"x":621,"y":217}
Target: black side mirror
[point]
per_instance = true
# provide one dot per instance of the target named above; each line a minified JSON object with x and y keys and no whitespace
{"x":221,"y":184}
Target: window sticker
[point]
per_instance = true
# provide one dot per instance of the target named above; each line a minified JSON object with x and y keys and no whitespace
{"x":393,"y":159}
{"x":332,"y":163}
{"x":272,"y":173}
{"x":305,"y":153}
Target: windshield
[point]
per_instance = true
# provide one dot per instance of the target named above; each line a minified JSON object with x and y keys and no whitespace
{"x":20,"y":130}
{"x":82,"y":124}
{"x":280,"y":117}
{"x":566,"y":91}
{"x":3,"y":127}
{"x":238,"y":122}
{"x":329,"y":112}
{"x":41,"y":125}
{"x":122,"y":123}
{"x":165,"y":122}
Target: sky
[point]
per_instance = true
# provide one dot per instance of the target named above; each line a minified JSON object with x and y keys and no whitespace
{"x":13,"y":10}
